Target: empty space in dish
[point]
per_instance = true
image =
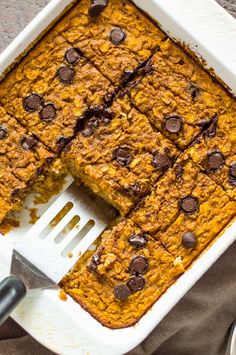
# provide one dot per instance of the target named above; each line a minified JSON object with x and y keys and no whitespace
{"x":211,"y":32}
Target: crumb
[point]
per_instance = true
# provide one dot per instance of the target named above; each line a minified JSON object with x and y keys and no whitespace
{"x":47,"y":190}
{"x":33,"y":215}
{"x":70,"y":254}
{"x":78,"y":181}
{"x":74,"y":221}
{"x":51,"y":183}
{"x":8,"y":224}
{"x":61,"y":214}
{"x":63,"y":295}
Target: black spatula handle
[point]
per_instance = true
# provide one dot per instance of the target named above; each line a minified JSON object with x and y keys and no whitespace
{"x":12,"y":291}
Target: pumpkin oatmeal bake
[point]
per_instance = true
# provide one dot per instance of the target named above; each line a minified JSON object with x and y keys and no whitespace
{"x":119,"y":155}
{"x":140,"y":257}
{"x":106,"y":95}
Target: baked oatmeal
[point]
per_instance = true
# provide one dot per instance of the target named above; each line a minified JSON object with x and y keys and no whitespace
{"x":106,"y":95}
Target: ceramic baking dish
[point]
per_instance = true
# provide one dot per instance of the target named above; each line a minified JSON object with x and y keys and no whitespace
{"x":65,"y":327}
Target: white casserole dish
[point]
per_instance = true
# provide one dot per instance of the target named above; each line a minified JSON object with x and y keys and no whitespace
{"x":65,"y":327}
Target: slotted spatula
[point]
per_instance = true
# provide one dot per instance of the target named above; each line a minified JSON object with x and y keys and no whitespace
{"x":53,"y":244}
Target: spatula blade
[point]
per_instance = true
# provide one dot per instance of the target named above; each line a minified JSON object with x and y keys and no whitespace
{"x":54,"y":243}
{"x":32,"y":277}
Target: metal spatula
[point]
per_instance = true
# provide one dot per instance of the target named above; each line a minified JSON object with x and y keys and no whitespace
{"x":53,"y":245}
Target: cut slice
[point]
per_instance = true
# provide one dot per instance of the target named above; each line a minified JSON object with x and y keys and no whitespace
{"x":22,"y":160}
{"x":186,"y":211}
{"x":119,"y":155}
{"x":215,"y":151}
{"x":121,"y":281}
{"x":117,"y":41}
{"x":48,"y":94}
{"x":177,"y":95}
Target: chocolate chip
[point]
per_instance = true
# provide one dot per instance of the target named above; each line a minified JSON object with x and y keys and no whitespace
{"x":62,"y":142}
{"x":117,"y":36}
{"x":108,"y":99}
{"x":138,"y":265}
{"x":179,"y":170}
{"x":49,"y":160}
{"x":90,"y":126}
{"x":181,"y":61}
{"x":97,"y":6}
{"x":94,"y":110}
{"x":232,"y":173}
{"x":148,"y":69}
{"x":161,"y":161}
{"x":87,"y":114}
{"x":173,"y":124}
{"x":48,"y":113}
{"x":73,"y":55}
{"x":136,"y":283}
{"x":215,"y":160}
{"x":138,"y":240}
{"x":94,"y":122}
{"x":32,"y":102}
{"x":204,"y":124}
{"x":232,"y":170}
{"x":95,"y":261}
{"x":15,"y":194}
{"x":80,"y":123}
{"x":122,"y":156}
{"x":189,"y":204}
{"x":211,"y":130}
{"x":194,"y":90}
{"x":126,"y":75}
{"x":29,"y":143}
{"x":87,"y":131}
{"x":166,"y":150}
{"x":96,"y":258}
{"x":106,"y":117}
{"x":66,"y":74}
{"x":232,"y":181}
{"x":133,"y":190}
{"x":189,"y":240}
{"x":122,"y":292}
{"x":3,"y":132}
{"x":133,"y":84}
{"x":96,"y":114}
{"x":40,"y":171}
